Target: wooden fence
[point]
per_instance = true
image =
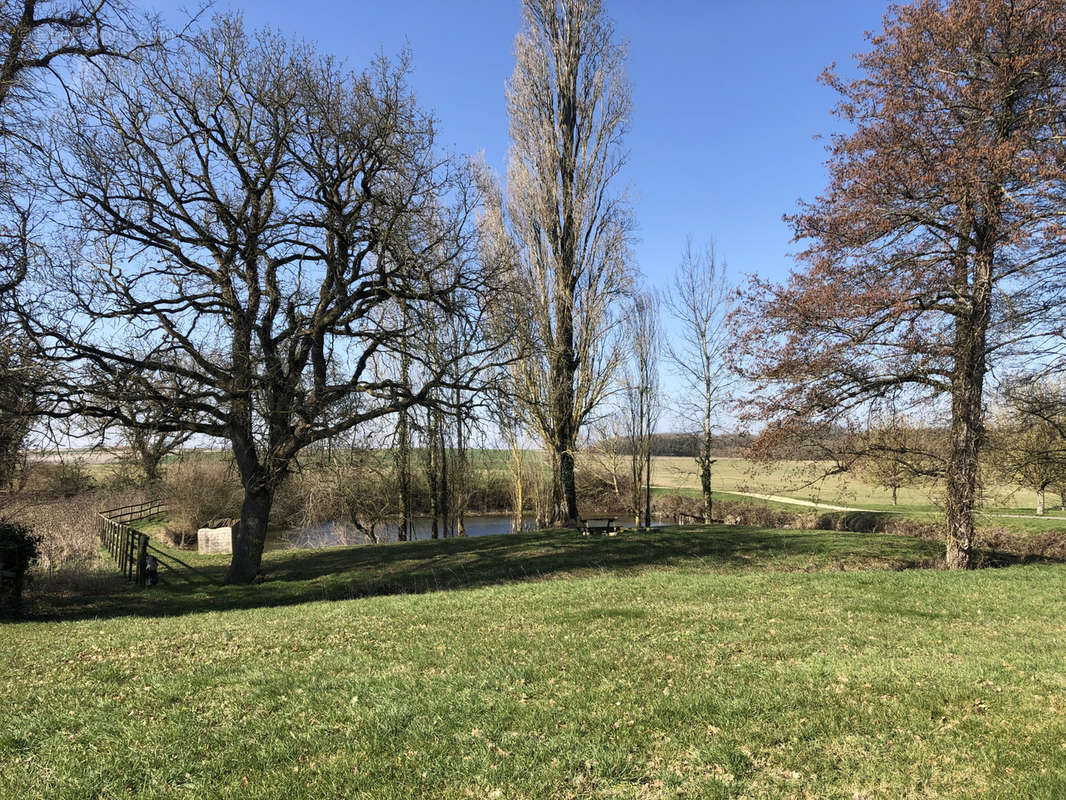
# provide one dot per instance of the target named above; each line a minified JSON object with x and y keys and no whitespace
{"x":131,"y":548}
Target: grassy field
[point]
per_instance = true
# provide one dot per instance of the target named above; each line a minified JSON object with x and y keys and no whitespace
{"x":707,"y":663}
{"x":791,"y":479}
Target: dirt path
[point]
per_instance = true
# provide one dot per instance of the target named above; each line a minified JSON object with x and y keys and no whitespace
{"x":809,"y":504}
{"x":793,"y":501}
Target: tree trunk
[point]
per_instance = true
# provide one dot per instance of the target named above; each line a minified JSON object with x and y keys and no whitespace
{"x":442,"y":482}
{"x":555,"y":513}
{"x":403,"y":470}
{"x":705,"y":480}
{"x":250,"y":535}
{"x":566,"y":477}
{"x":967,"y":422}
{"x":516,"y":492}
{"x":431,"y":473}
{"x":403,"y":437}
{"x":705,"y":446}
{"x":1040,"y":505}
{"x":895,"y":489}
{"x":459,"y":476}
{"x":636,"y":460}
{"x":647,"y":488}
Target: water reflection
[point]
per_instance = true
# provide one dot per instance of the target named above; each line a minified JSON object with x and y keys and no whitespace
{"x":334,"y":534}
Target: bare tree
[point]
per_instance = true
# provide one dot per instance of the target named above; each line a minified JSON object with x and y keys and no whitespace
{"x":896,"y":450}
{"x":642,"y":400}
{"x":253,"y":214}
{"x":700,"y":303}
{"x":40,"y":41}
{"x":569,"y":105}
{"x":1028,"y":438}
{"x":507,"y":416}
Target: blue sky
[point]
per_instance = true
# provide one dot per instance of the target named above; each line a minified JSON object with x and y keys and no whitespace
{"x":726,"y":101}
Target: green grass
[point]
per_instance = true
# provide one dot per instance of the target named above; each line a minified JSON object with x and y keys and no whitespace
{"x":789,"y":479}
{"x":338,"y":573}
{"x":705,"y":663}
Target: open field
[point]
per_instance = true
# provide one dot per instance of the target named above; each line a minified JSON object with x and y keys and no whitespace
{"x":706,"y":663}
{"x":790,"y":479}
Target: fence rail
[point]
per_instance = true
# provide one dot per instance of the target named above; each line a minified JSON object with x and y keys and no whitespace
{"x":127,"y":545}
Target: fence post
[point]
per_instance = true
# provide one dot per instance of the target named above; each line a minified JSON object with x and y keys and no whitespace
{"x":142,"y":553}
{"x":126,"y":553}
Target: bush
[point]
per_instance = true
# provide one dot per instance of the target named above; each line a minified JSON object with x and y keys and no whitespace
{"x":19,"y":550}
{"x":198,"y":491}
{"x":62,"y":479}
{"x":68,"y":531}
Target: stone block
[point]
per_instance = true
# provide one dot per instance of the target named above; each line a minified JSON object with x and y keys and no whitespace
{"x":214,"y":540}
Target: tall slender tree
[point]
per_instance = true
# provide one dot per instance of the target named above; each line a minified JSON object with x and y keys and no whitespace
{"x":700,"y":302}
{"x":937,"y":251}
{"x":642,"y":400}
{"x":569,"y":105}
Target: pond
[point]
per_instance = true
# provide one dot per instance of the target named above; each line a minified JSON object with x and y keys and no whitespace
{"x":333,"y":534}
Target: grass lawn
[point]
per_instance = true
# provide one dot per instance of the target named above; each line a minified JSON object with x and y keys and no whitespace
{"x":705,"y":663}
{"x":788,"y":479}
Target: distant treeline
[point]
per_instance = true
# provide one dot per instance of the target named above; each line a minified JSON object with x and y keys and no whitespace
{"x":685,"y":445}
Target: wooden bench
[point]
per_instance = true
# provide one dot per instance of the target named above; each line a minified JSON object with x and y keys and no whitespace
{"x":599,"y":525}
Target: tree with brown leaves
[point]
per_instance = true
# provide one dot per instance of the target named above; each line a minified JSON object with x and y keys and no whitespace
{"x":938,"y":250}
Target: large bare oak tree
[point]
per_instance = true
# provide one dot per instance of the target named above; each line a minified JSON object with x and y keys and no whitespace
{"x":246,"y":218}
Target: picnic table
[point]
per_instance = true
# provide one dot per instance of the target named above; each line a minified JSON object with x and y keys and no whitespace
{"x":598,"y":524}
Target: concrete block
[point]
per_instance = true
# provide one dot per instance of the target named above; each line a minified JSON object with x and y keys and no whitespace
{"x":214,"y":540}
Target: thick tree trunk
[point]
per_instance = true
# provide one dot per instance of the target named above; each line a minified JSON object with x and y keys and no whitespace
{"x":566,"y":478}
{"x":1041,"y":507}
{"x":961,"y":483}
{"x":555,"y":508}
{"x":250,"y":535}
{"x":967,"y":416}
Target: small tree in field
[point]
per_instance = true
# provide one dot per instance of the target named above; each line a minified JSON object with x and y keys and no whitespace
{"x":895,"y":452}
{"x":700,"y":301}
{"x":937,"y":249}
{"x":1028,"y":441}
{"x":642,"y":401}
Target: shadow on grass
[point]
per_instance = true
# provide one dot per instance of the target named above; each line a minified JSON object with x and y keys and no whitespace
{"x":299,"y":576}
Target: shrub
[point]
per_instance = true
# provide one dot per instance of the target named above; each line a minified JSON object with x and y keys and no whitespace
{"x":62,"y":479}
{"x":19,"y":550}
{"x":198,"y":491}
{"x":68,"y":531}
